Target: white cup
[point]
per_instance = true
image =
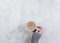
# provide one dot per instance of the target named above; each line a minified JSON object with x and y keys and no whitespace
{"x":30,"y":26}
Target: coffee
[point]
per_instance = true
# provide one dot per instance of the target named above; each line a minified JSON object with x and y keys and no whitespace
{"x":31,"y":25}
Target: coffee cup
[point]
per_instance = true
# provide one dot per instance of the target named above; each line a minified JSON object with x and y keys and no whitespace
{"x":31,"y":26}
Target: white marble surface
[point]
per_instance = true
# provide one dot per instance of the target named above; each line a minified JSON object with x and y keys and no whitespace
{"x":15,"y":13}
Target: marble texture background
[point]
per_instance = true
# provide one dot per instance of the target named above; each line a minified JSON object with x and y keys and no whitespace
{"x":15,"y":13}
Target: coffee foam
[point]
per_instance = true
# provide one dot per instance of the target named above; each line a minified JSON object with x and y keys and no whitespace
{"x":30,"y":26}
